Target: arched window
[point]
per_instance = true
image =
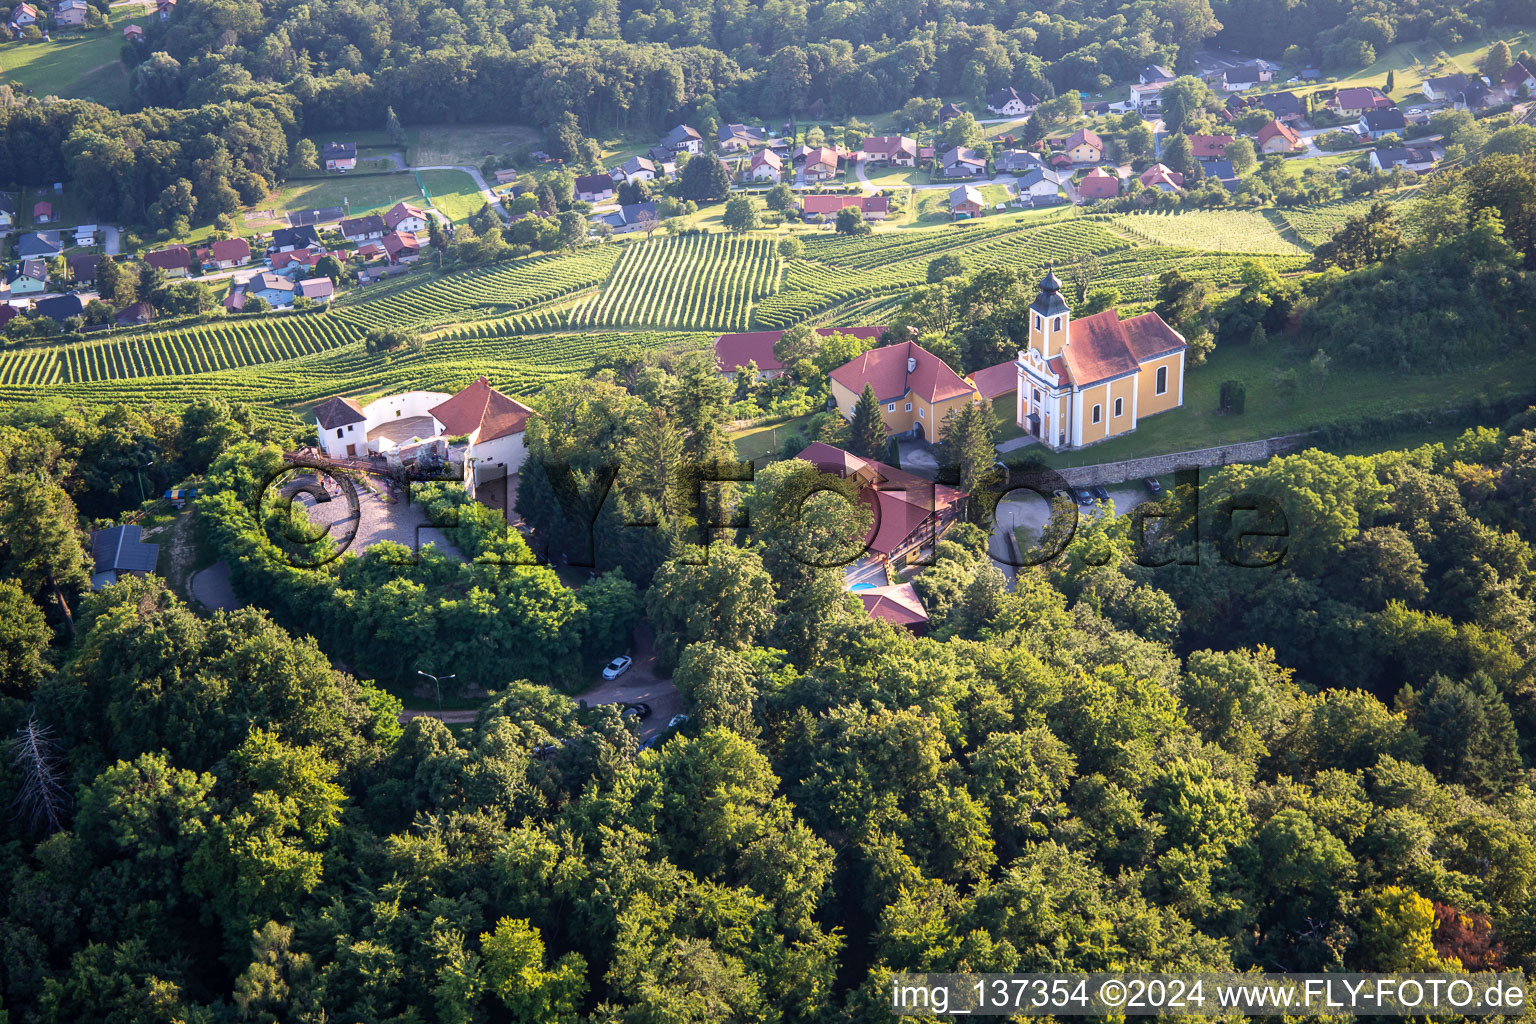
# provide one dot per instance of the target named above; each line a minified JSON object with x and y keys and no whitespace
{"x":1098,"y":413}
{"x":1056,"y":324}
{"x":1119,"y":407}
{"x":1162,"y":380}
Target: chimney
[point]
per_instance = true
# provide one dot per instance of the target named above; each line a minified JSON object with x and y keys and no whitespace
{"x":911,"y":363}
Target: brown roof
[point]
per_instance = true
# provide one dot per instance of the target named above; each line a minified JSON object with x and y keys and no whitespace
{"x":231,"y":249}
{"x":897,"y":604}
{"x":400,"y":241}
{"x":992,"y":381}
{"x":901,"y":501}
{"x":1209,"y":146}
{"x":886,"y":370}
{"x":170,"y":258}
{"x":821,"y":155}
{"x":1149,"y":336}
{"x":594,"y":183}
{"x":813,"y":205}
{"x":369,"y":224}
{"x":890,"y":145}
{"x":83,"y":266}
{"x":399,"y":212}
{"x":338,"y":411}
{"x":1358,"y":98}
{"x":1083,"y":135}
{"x":1103,"y":346}
{"x":1280,"y":128}
{"x":481,"y":407}
{"x":733,"y":351}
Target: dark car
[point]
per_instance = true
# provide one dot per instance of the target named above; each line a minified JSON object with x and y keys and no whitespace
{"x":1154,"y":486}
{"x":1084,"y":497}
{"x":637,"y":711}
{"x":1099,"y":493}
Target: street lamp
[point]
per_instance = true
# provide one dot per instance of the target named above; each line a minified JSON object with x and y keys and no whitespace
{"x":439,"y":681}
{"x":140,"y":477}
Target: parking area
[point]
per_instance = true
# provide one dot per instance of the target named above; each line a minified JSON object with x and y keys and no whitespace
{"x":1026,"y":509}
{"x":640,"y":685}
{"x":376,"y":519}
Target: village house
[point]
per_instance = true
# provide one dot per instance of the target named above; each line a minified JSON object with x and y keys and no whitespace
{"x":766,"y":166}
{"x":42,"y":212}
{"x":1286,"y":106}
{"x":290,"y":239}
{"x":1008,"y":103}
{"x":734,"y":351}
{"x":22,"y":16}
{"x":505,"y":176}
{"x":70,"y":13}
{"x":966,"y":201}
{"x":1278,"y":138}
{"x":633,"y":217}
{"x":1099,"y":183}
{"x":636,"y":168}
{"x":136,"y":314}
{"x":1017,"y":161}
{"x":963,"y":162}
{"x":820,"y":162}
{"x":59,"y":308}
{"x":1354,"y":102}
{"x":1162,"y":178}
{"x":737,"y":138}
{"x":949,"y":112}
{"x":273,"y":287}
{"x":916,"y":388}
{"x":870,"y":207}
{"x":1407,"y":157}
{"x":231,"y":252}
{"x":120,"y":551}
{"x":164,"y":9}
{"x":133,"y":33}
{"x":1084,"y":147}
{"x":477,"y":427}
{"x":405,"y":217}
{"x":1246,"y":76}
{"x":1443,"y":87}
{"x":339,"y":156}
{"x":401,"y":246}
{"x":1209,"y":147}
{"x":363,"y":229}
{"x":1518,"y":82}
{"x":594,"y":188}
{"x":1087,"y":381}
{"x":683,"y":139}
{"x":895,"y":150}
{"x":33,"y":244}
{"x":316,"y":289}
{"x":82,"y":268}
{"x":1378,"y":124}
{"x":1478,"y":95}
{"x":1147,"y":97}
{"x":1154,"y":73}
{"x":174,"y":260}
{"x":1039,"y":183}
{"x":29,"y":277}
{"x":909,"y":514}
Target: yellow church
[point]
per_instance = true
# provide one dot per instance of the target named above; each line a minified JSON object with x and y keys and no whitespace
{"x":1088,"y":381}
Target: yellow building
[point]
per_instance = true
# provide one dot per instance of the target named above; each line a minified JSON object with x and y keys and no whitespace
{"x":916,"y":388}
{"x":1088,"y":381}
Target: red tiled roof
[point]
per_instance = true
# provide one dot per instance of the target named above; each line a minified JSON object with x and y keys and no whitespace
{"x":733,"y":351}
{"x":397,"y":242}
{"x":1159,"y":173}
{"x":1149,"y":336}
{"x":42,"y":210}
{"x":813,"y":205}
{"x":1103,"y":346}
{"x":170,"y":258}
{"x":821,"y":155}
{"x":231,"y":249}
{"x":992,"y":381}
{"x":1099,"y":183}
{"x":897,"y":604}
{"x":1359,"y":98}
{"x":900,"y":501}
{"x":399,"y":212}
{"x":482,"y":407}
{"x":1281,"y":129}
{"x":886,"y":370}
{"x":1205,"y":147}
{"x":890,"y":145}
{"x":1083,"y":135}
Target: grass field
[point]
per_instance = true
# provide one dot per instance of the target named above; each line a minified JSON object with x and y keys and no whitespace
{"x":453,"y":192}
{"x":73,"y":65}
{"x":1211,"y":230}
{"x":362,"y":193}
{"x":466,"y":144}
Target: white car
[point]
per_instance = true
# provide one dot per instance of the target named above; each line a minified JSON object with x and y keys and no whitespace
{"x":677,"y":720}
{"x":617,"y":667}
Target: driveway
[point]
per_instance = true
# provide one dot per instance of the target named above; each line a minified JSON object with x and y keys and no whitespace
{"x":640,"y":683}
{"x":375,"y":520}
{"x":917,"y":457}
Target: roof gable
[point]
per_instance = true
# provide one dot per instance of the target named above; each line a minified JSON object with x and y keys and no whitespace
{"x":481,"y":407}
{"x":885,"y":369}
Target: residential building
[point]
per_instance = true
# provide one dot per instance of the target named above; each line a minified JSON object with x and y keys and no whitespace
{"x":1039,"y":183}
{"x":1246,"y":76}
{"x":362,"y":229}
{"x":164,"y":9}
{"x":1356,"y":101}
{"x":1408,"y":157}
{"x":133,"y":33}
{"x":339,"y":156}
{"x":594,"y":188}
{"x":1147,"y":97}
{"x":1378,"y":124}
{"x":734,"y":351}
{"x":895,"y":150}
{"x":1154,"y":73}
{"x":33,"y":244}
{"x":1087,"y":381}
{"x":275,"y":288}
{"x":82,"y":268}
{"x":175,"y":260}
{"x":871,"y":207}
{"x":963,"y":162}
{"x":59,"y":308}
{"x":636,"y":168}
{"x":1017,"y":161}
{"x":916,"y":388}
{"x":896,"y":603}
{"x":1209,"y":147}
{"x":683,"y":139}
{"x":291,"y":239}
{"x":42,"y":213}
{"x":766,"y":166}
{"x":1516,"y":79}
{"x":909,"y":513}
{"x":949,"y":111}
{"x":1278,"y":137}
{"x":1084,"y":147}
{"x":7,"y":212}
{"x":505,"y":176}
{"x":29,"y":277}
{"x":1008,"y":103}
{"x":405,"y":217}
{"x":85,"y":235}
{"x":318,"y":289}
{"x":23,"y":15}
{"x":231,"y":252}
{"x":738,"y":138}
{"x":70,"y":12}
{"x":1443,"y":87}
{"x":401,"y":246}
{"x":966,"y":201}
{"x":138,"y":313}
{"x":1099,"y":183}
{"x":634,"y":217}
{"x":120,"y":551}
{"x":1162,"y":178}
{"x":820,"y":163}
{"x":1478,"y":95}
{"x":1286,"y":106}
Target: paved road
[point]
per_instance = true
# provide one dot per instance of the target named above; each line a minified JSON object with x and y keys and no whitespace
{"x":640,"y":684}
{"x":212,"y":588}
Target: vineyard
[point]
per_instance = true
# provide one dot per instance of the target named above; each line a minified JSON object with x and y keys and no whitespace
{"x":489,"y":291}
{"x":695,"y":281}
{"x":1236,"y":231}
{"x":1316,"y":224}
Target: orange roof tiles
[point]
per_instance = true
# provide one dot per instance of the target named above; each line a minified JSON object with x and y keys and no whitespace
{"x":885,"y":369}
{"x":482,"y":407}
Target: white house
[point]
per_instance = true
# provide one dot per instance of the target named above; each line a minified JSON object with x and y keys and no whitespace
{"x":404,"y":217}
{"x":1009,"y":103}
{"x":1147,"y":96}
{"x":636,"y":168}
{"x":766,"y":166}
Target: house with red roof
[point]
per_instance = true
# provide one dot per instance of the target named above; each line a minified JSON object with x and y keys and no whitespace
{"x":1278,"y":137}
{"x":175,"y":260}
{"x":872,"y":207}
{"x":42,"y":213}
{"x":894,"y":150}
{"x":405,"y":217}
{"x":734,"y":351}
{"x":1099,"y":183}
{"x":1209,"y":147}
{"x":401,"y":246}
{"x":1162,"y":178}
{"x":916,"y":388}
{"x":820,"y":162}
{"x":231,"y":252}
{"x":1355,"y":101}
{"x":1084,"y":147}
{"x":910,"y":514}
{"x":897,"y":604}
{"x":1085,"y":381}
{"x":766,"y":166}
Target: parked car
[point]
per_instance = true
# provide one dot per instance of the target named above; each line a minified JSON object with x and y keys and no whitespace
{"x":617,"y":667}
{"x":547,"y":751}
{"x":641,"y":711}
{"x":1084,"y":497}
{"x":677,"y":720}
{"x":1099,"y":493}
{"x":1154,"y":486}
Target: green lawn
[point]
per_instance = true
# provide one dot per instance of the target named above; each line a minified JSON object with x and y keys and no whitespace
{"x":453,"y":192}
{"x":1350,"y":393}
{"x":763,"y":442}
{"x":467,"y":144}
{"x":360,"y":192}
{"x":73,"y":65}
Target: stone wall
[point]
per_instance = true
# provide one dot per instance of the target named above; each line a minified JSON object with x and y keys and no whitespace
{"x":1157,"y":465}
